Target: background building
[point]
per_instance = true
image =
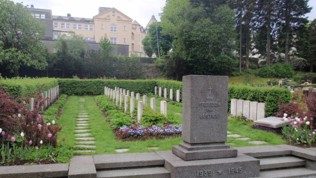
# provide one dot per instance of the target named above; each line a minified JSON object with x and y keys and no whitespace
{"x":122,"y":31}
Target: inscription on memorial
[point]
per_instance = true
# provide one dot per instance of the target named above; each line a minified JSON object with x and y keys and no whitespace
{"x":209,"y":108}
{"x":211,"y":173}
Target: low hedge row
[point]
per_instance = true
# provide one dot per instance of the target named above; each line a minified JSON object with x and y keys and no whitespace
{"x":96,"y":86}
{"x":22,"y":87}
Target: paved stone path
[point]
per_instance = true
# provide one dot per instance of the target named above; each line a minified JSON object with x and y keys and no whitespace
{"x":238,"y":137}
{"x":85,"y":142}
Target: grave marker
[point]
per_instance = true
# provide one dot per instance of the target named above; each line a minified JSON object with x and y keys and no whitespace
{"x":153,"y":104}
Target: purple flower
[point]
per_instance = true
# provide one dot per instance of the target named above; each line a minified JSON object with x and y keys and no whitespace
{"x":30,"y":142}
{"x":49,"y":135}
{"x":12,"y":139}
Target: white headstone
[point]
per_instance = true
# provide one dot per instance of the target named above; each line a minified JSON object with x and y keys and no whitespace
{"x":171,"y":94}
{"x":233,"y":107}
{"x":144,"y":100}
{"x":260,"y":111}
{"x":132,"y":106}
{"x":137,"y":96}
{"x":125,"y":103}
{"x":253,"y":110}
{"x":163,"y":107}
{"x":127,"y":93}
{"x":132,"y":94}
{"x":159,"y":91}
{"x":239,"y":107}
{"x":246,"y":109}
{"x":139,"y":111}
{"x":121,"y":99}
{"x":117,"y":97}
{"x":153,"y":104}
{"x":165,"y":93}
{"x":178,"y":96}
{"x":32,"y":104}
{"x":155,"y":90}
{"x":46,"y":99}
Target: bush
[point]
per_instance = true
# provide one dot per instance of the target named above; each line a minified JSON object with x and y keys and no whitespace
{"x":119,"y":119}
{"x":270,"y":96}
{"x":303,"y":77}
{"x":276,"y":71}
{"x":151,"y":117}
{"x":23,"y":87}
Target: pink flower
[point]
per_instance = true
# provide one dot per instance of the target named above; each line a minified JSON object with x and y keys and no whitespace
{"x":310,"y":135}
{"x":30,"y":142}
{"x":3,"y":133}
{"x":49,"y":135}
{"x":12,"y":139}
{"x":39,"y":126}
{"x":38,"y":118}
{"x":36,"y":147}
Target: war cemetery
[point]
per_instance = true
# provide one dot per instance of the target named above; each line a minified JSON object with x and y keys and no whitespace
{"x":190,"y":96}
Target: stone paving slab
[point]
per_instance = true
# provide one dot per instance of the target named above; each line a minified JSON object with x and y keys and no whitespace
{"x":128,"y":160}
{"x":242,"y":139}
{"x":82,"y":128}
{"x":257,"y":142}
{"x":233,"y":135}
{"x":85,"y":142}
{"x":85,"y":139}
{"x":82,"y":125}
{"x":82,"y":166}
{"x":34,"y":171}
{"x":121,"y":150}
{"x":82,"y":131}
{"x":83,"y":135}
{"x":85,"y":147}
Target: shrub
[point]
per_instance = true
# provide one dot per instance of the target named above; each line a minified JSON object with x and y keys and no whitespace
{"x":291,"y":109}
{"x":151,"y":117}
{"x":311,"y":103}
{"x":276,"y":71}
{"x":53,"y":112}
{"x":119,"y":119}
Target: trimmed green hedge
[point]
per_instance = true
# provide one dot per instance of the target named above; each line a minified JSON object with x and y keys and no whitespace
{"x":96,"y":86}
{"x":271,"y":96}
{"x":22,"y":87}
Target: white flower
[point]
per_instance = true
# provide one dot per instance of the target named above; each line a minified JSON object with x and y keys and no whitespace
{"x":53,"y":122}
{"x":48,"y":123}
{"x":41,"y":142}
{"x":296,"y":118}
{"x":305,"y":118}
{"x":0,"y":130}
{"x":294,"y":122}
{"x":19,"y":115}
{"x":314,"y":133}
{"x":284,"y":115}
{"x":307,"y":123}
{"x":22,"y":134}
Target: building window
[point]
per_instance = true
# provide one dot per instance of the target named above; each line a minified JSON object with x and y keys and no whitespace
{"x":124,"y":27}
{"x":113,"y":28}
{"x":79,"y":27}
{"x":55,"y":24}
{"x":37,"y":16}
{"x":43,"y":16}
{"x":102,"y":27}
{"x":62,"y":25}
{"x":74,"y":26}
{"x":125,"y":41}
{"x":133,"y":36}
{"x":132,"y":46}
{"x":86,"y":27}
{"x":90,"y":27}
{"x":113,"y":40}
{"x":67,"y":25}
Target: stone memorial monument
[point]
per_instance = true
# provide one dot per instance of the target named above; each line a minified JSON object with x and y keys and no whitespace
{"x":203,"y":152}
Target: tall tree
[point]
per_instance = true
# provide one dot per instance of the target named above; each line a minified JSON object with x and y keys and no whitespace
{"x":292,"y":14}
{"x":160,"y":42}
{"x":147,"y":46}
{"x":20,"y":36}
{"x":312,"y":42}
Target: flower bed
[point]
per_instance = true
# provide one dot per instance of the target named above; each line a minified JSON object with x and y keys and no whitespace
{"x":134,"y":132}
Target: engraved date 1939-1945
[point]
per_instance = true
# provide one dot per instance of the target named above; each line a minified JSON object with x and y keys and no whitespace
{"x":210,"y":173}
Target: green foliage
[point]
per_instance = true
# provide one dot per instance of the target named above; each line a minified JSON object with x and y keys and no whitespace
{"x":53,"y":112}
{"x":156,"y":37}
{"x":104,"y":104}
{"x":272,"y":97}
{"x":119,"y":119}
{"x":105,"y":47}
{"x":96,"y":86}
{"x":26,"y":86}
{"x":147,"y":46}
{"x":151,"y":118}
{"x":276,"y":71}
{"x":20,"y":44}
{"x":304,"y":77}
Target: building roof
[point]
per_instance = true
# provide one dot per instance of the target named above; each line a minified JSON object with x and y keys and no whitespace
{"x":151,"y":21}
{"x":70,"y":18}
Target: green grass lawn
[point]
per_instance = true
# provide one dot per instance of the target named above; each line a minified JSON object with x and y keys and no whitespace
{"x":105,"y":138}
{"x":248,"y":79}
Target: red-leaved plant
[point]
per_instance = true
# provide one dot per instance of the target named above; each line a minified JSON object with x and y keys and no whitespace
{"x":17,"y":120}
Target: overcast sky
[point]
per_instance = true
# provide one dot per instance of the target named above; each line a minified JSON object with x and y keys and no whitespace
{"x":139,"y":10}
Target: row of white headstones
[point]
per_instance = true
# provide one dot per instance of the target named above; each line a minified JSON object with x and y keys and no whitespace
{"x":124,"y":98}
{"x":158,"y":91}
{"x":49,"y":96}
